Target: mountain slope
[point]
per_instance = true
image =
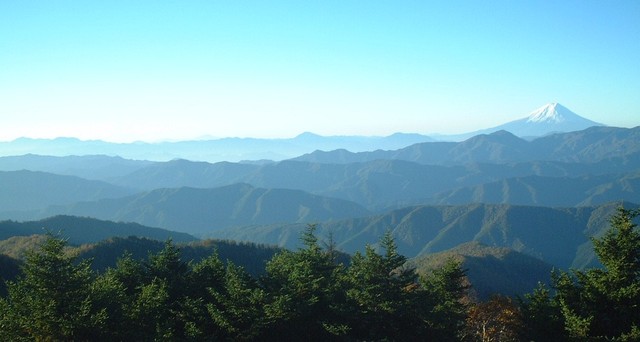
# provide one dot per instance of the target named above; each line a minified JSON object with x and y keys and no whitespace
{"x":212,"y":150}
{"x":180,"y":172}
{"x":549,"y":191}
{"x":376,"y":184}
{"x":559,"y":236}
{"x":29,"y":190}
{"x":200,"y":211}
{"x":490,"y":270}
{"x":587,"y":146}
{"x":79,"y":230}
{"x":550,"y":118}
{"x":94,"y":167}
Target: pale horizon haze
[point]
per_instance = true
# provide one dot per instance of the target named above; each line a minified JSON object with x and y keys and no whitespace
{"x":125,"y":71}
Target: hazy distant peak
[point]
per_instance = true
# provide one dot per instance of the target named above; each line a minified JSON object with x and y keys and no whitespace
{"x":550,"y":118}
{"x":307,"y":135}
{"x":552,"y":113}
{"x":502,"y":133}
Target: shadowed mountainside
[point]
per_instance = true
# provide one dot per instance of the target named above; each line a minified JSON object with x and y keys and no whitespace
{"x":94,"y":167}
{"x":252,"y":257}
{"x":200,"y":211}
{"x":586,"y":146}
{"x":28,"y":190}
{"x":490,"y":270}
{"x":558,"y":236}
{"x":79,"y":230}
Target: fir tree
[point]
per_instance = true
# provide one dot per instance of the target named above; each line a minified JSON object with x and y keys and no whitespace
{"x":605,"y":303}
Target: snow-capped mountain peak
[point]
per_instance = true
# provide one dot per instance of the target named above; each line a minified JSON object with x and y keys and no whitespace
{"x":550,"y":118}
{"x":551,"y":112}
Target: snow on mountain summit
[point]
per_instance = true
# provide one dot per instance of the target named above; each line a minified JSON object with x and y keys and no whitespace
{"x":550,"y":118}
{"x":551,"y":112}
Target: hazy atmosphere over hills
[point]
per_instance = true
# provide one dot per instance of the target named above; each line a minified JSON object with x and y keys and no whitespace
{"x":348,"y":171}
{"x":588,"y":168}
{"x":551,"y":118}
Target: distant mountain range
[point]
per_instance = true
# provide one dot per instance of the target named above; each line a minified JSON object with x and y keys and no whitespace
{"x":557,"y":236}
{"x":548,"y":119}
{"x":549,"y":191}
{"x":93,"y":167}
{"x":28,"y":190}
{"x":201,"y":211}
{"x":587,"y":146}
{"x":588,"y":167}
{"x":510,"y":207}
{"x":551,"y":118}
{"x":225,"y":149}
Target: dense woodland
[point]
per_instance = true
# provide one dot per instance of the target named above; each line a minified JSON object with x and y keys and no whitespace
{"x":309,"y":294}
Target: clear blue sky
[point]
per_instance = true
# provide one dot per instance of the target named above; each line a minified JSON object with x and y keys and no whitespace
{"x":152,"y":70}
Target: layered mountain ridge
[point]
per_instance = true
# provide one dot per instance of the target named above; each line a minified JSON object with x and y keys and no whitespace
{"x":548,"y":119}
{"x":501,"y":200}
{"x":543,"y":121}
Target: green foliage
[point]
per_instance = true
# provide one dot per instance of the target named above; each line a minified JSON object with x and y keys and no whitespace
{"x":17,"y":246}
{"x":304,"y":295}
{"x":308,"y":295}
{"x":9,"y":269}
{"x":237,"y":307}
{"x":490,"y":270}
{"x":382,"y":293}
{"x":52,"y":299}
{"x":304,"y":287}
{"x":542,"y":316}
{"x":151,"y":312}
{"x":206,"y":275}
{"x":168,"y":266}
{"x":605,"y":303}
{"x":446,"y":295}
{"x":108,"y":295}
{"x":252,"y":257}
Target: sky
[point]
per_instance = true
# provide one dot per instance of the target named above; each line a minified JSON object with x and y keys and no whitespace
{"x":157,"y":70}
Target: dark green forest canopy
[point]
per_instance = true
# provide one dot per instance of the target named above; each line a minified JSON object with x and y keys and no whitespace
{"x":81,"y":230}
{"x":307,"y":294}
{"x":252,"y":257}
{"x":304,"y":294}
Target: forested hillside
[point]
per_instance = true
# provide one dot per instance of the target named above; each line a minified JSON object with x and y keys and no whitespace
{"x":558,"y":236}
{"x":200,"y":211}
{"x":539,"y":190}
{"x":490,"y":270}
{"x":79,"y":230}
{"x":589,"y":167}
{"x":495,"y":212}
{"x":320,"y":171}
{"x":307,"y":295}
{"x":105,"y":254}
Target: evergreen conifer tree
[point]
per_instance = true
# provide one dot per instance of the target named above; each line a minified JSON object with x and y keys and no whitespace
{"x":605,"y":303}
